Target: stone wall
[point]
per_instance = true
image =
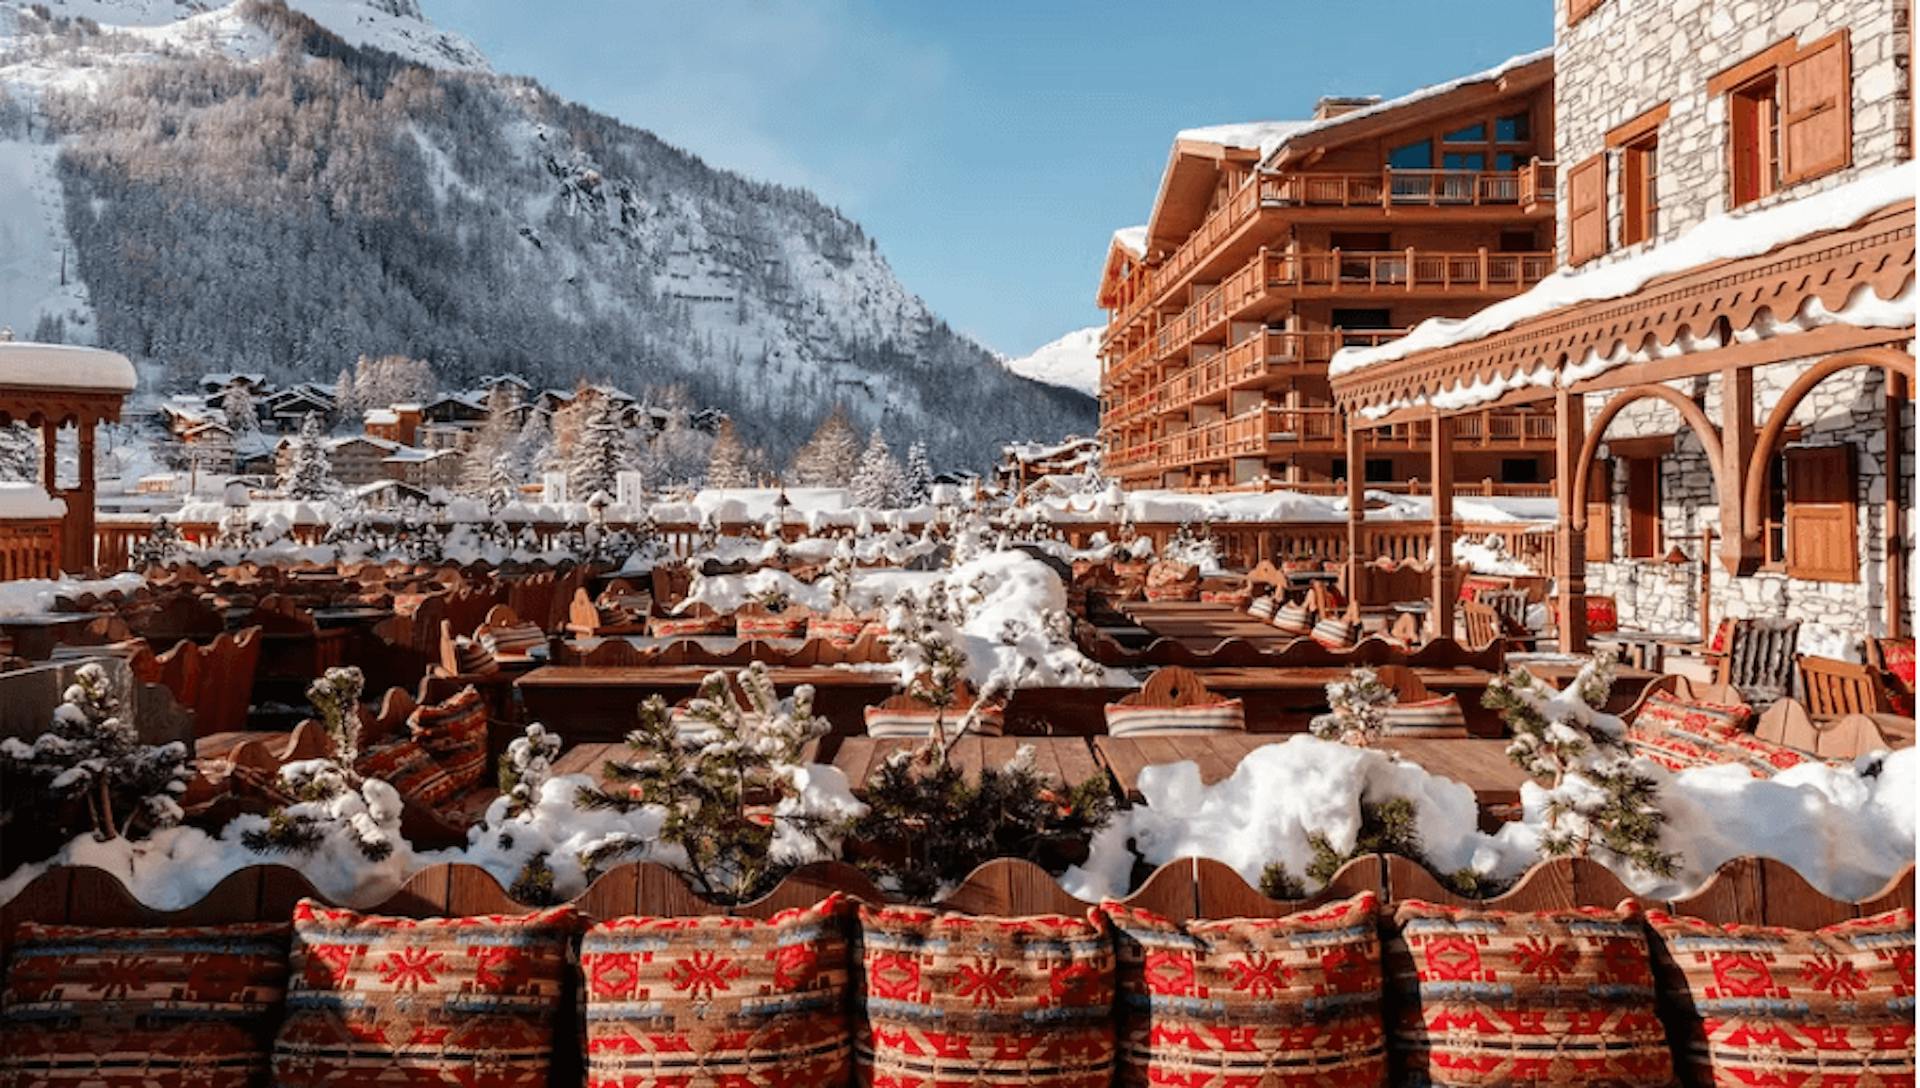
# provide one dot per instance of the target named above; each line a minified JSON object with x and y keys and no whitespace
{"x":1848,"y":407}
{"x":1629,"y":56}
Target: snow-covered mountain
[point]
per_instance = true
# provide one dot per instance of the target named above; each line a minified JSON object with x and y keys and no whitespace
{"x":1072,"y":362}
{"x":282,"y":186}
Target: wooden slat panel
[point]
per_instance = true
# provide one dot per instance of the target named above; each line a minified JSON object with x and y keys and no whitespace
{"x":1169,"y":891}
{"x":1008,"y":887}
{"x":1792,"y":902}
{"x":1896,"y":893}
{"x":424,"y":895}
{"x":808,"y":885}
{"x":473,"y":890}
{"x":1733,"y":894}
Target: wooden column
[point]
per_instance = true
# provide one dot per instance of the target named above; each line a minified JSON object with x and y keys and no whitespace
{"x":78,"y":527}
{"x":49,"y":458}
{"x":1443,"y":583}
{"x":1738,"y":435}
{"x":1893,"y":520}
{"x":1570,"y":560}
{"x":1356,"y":509}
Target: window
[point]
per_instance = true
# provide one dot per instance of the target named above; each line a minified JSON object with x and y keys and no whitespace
{"x":1517,"y":129}
{"x":1380,"y":470}
{"x":1507,"y":161}
{"x":1471,"y":134}
{"x":1587,"y":210}
{"x":1789,"y":115}
{"x":1821,"y":542}
{"x":1516,"y":241}
{"x":1775,"y":529}
{"x":1753,"y":116}
{"x":1640,"y":190}
{"x":1418,"y":156}
{"x":1643,"y":508}
{"x":1464,"y":160}
{"x":1362,"y":319}
{"x":1519,"y":470}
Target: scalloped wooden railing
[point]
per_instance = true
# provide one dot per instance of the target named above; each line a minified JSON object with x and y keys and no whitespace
{"x":1750,"y":890}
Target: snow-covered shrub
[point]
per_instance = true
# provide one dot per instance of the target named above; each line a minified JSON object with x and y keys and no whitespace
{"x":333,"y":803}
{"x":527,"y":765}
{"x":1358,"y":705}
{"x":93,"y":756}
{"x":733,"y":791}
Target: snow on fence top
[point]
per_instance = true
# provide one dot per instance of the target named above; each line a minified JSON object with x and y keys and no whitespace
{"x":1177,"y":507}
{"x":28,"y":501}
{"x":63,"y":366}
{"x":1722,"y":237}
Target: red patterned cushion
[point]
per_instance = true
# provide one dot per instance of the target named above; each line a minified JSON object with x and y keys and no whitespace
{"x":718,"y":1002}
{"x":954,"y":1000}
{"x":1896,"y":656}
{"x":1471,"y":588}
{"x":408,"y":767}
{"x":841,"y":629}
{"x":142,"y":1008}
{"x":1484,"y":997}
{"x":1251,"y":1001}
{"x":1756,"y":1005}
{"x":1722,"y":632}
{"x":1440,"y":716}
{"x":1665,"y":710}
{"x":689,"y":626}
{"x":1173,"y":591}
{"x":1603,"y":615}
{"x":1235,"y":597}
{"x":454,"y":733}
{"x":1226,"y":716}
{"x":1681,"y":733}
{"x":769,"y":625}
{"x":472,"y":999}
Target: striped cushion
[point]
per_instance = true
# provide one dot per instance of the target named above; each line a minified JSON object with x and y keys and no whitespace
{"x":142,"y":1008}
{"x":471,"y":999}
{"x":1480,"y":998}
{"x":454,"y":733}
{"x":837,"y":629}
{"x":1336,"y":633}
{"x":1251,"y":1001}
{"x":765,"y":625}
{"x":1263,"y":608}
{"x":1440,"y":716}
{"x":719,"y":1001}
{"x":411,"y":770}
{"x":884,"y":721}
{"x":474,"y":658}
{"x":1293,"y":619}
{"x":956,"y":1001}
{"x":689,"y":626}
{"x":1755,"y":1005}
{"x":1229,"y":716}
{"x":518,"y":639}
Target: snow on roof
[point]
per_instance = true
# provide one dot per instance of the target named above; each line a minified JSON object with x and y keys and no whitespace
{"x":347,"y":440}
{"x":63,"y":366}
{"x":1313,"y":127}
{"x":1722,"y":237}
{"x":1261,"y":136}
{"x":223,"y":378}
{"x":1132,"y":239}
{"x":378,"y":416}
{"x":413,"y":454}
{"x":1029,"y":452}
{"x":22,"y":501}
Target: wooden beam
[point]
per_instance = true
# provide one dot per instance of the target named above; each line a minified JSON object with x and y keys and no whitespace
{"x":1893,"y":519}
{"x":1570,"y":560}
{"x":1356,"y":509}
{"x":1738,"y":554}
{"x":1442,"y":446}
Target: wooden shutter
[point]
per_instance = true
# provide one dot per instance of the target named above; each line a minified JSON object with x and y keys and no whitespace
{"x":1587,"y":210}
{"x":1822,"y":544}
{"x":1643,"y":507}
{"x":1816,"y":110}
{"x":1600,"y":512}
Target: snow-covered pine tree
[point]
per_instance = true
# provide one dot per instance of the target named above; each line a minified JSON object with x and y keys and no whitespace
{"x":493,"y":440}
{"x":599,"y":454}
{"x":161,"y":546}
{"x":727,"y":464}
{"x":19,"y":455}
{"x":243,"y":417}
{"x":346,"y":395}
{"x":332,"y":800}
{"x":532,"y":451}
{"x":527,"y":766}
{"x":93,"y":756}
{"x":878,"y":482}
{"x":1358,"y":704}
{"x":829,"y":457}
{"x":308,"y":474}
{"x":919,"y":476}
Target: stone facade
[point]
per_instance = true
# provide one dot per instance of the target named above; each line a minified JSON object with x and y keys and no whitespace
{"x":1629,"y":56}
{"x":1848,"y":407}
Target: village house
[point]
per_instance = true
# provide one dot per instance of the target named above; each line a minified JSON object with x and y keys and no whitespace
{"x":399,"y":423}
{"x":1727,"y":357}
{"x":1271,"y":245}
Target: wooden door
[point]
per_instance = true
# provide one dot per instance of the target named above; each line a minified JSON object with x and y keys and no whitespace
{"x":1643,"y":507}
{"x":1600,"y":512}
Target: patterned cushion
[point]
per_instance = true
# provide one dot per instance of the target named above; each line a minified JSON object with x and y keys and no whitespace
{"x":918,"y":721}
{"x":517,"y":639}
{"x":1173,"y":591}
{"x":1293,"y":619}
{"x":474,"y":659}
{"x":1681,"y":733}
{"x":1755,"y":1005}
{"x":1440,"y":716}
{"x":408,"y":767}
{"x":1664,"y":710}
{"x":1896,"y":656}
{"x":1235,"y":597}
{"x":1722,"y":632}
{"x":1227,"y":716}
{"x":689,"y":626}
{"x":765,"y":625}
{"x":454,"y":733}
{"x":954,"y":1000}
{"x":142,"y":1008}
{"x":1483,"y":997}
{"x":1336,"y":633}
{"x":473,"y":999}
{"x":1603,"y":615}
{"x":1472,"y":587}
{"x":720,"y":1001}
{"x":1250,"y":1001}
{"x":840,"y":629}
{"x":1262,"y":608}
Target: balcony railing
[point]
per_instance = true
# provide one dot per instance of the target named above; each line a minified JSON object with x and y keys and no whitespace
{"x":1253,"y":433}
{"x":1407,"y":270}
{"x":1254,"y":358}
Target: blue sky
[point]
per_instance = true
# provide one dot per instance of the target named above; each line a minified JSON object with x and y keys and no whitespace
{"x":991,"y":146}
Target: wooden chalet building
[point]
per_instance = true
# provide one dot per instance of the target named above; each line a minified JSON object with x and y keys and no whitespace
{"x":1270,"y":245}
{"x":1728,"y":356}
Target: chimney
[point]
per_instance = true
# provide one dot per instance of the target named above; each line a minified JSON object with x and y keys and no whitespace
{"x":1335,"y":105}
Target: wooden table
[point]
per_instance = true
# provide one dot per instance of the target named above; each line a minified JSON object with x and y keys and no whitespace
{"x":1068,"y":760}
{"x":1480,"y":764}
{"x":34,"y":636}
{"x":1643,"y":649}
{"x":591,"y":703}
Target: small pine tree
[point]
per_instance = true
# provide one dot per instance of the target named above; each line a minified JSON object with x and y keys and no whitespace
{"x":162,"y":545}
{"x":878,"y":482}
{"x":492,"y":442}
{"x":599,"y":455}
{"x":332,"y":800}
{"x":91,"y":755}
{"x":308,"y":474}
{"x":1358,"y":704}
{"x":527,"y":767}
{"x":919,"y":476}
{"x":727,"y":464}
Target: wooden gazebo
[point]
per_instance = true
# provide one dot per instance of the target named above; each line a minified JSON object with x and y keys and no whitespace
{"x":51,"y":386}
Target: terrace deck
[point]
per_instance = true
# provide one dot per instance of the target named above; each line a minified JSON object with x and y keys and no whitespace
{"x":1068,"y":759}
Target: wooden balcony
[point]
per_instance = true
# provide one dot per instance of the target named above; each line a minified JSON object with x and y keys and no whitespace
{"x":1276,"y":430}
{"x":1408,"y":271}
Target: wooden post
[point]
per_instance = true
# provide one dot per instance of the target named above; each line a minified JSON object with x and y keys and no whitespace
{"x":49,"y":462}
{"x":1737,"y":438}
{"x":1442,"y":613}
{"x":80,"y":519}
{"x":1892,"y":520}
{"x":1356,"y":508}
{"x":1570,"y":564}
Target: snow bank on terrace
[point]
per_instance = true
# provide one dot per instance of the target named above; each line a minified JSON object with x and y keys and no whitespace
{"x":1132,"y":239}
{"x":26,"y":501}
{"x":871,"y":589}
{"x":31,"y":596}
{"x":1263,"y":136}
{"x":1005,"y":597}
{"x":1853,"y":827}
{"x":63,"y":366}
{"x":1722,"y":237}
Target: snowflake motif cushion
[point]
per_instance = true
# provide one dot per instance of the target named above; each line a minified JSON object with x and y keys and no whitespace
{"x":718,"y":1002}
{"x":689,"y":626}
{"x":1289,"y":1001}
{"x":1681,"y":733}
{"x":1479,"y":998}
{"x":142,"y":1008}
{"x":960,"y":1001}
{"x":469,"y":1002}
{"x":1758,"y":1005}
{"x":840,"y":629}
